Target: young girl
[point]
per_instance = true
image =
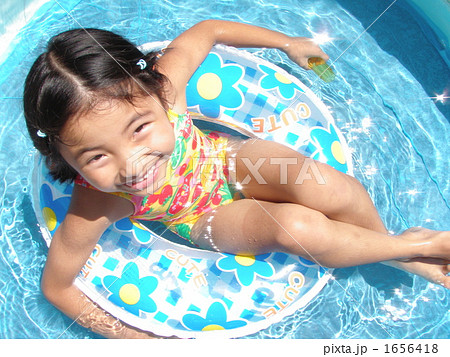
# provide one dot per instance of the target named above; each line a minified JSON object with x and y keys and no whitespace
{"x":115,"y":121}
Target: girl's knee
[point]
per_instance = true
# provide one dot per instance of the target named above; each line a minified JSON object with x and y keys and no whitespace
{"x":300,"y":229}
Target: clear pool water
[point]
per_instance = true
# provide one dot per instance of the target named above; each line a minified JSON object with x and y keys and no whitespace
{"x":398,"y":136}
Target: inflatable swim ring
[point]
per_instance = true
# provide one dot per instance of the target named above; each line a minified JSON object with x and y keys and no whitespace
{"x":172,"y":289}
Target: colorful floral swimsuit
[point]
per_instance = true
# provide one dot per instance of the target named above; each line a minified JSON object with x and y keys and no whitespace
{"x":196,"y":179}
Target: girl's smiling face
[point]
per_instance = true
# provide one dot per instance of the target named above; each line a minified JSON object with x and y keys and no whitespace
{"x":120,"y":146}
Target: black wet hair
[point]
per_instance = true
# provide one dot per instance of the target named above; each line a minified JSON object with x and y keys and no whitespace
{"x":80,"y":69}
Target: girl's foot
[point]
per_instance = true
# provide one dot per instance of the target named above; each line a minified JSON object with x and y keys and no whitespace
{"x":435,"y":244}
{"x":434,"y":265}
{"x":433,"y":272}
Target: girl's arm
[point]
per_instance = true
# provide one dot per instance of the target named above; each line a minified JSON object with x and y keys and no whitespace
{"x":90,"y":213}
{"x":188,"y":50}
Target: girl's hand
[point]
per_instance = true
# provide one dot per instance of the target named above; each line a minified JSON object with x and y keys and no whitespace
{"x":300,"y":49}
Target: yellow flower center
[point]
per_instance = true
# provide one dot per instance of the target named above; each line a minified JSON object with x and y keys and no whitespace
{"x":282,"y":78}
{"x":212,"y":328}
{"x":49,"y":218}
{"x":209,"y":86}
{"x":245,"y":260}
{"x":130,"y":294}
{"x":338,"y":153}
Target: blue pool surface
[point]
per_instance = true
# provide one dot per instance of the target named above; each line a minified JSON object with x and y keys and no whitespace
{"x":401,"y":33}
{"x":380,"y":100}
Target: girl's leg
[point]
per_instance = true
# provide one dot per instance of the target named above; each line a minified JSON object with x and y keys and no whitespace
{"x":336,"y":195}
{"x":272,"y":172}
{"x":255,"y":227}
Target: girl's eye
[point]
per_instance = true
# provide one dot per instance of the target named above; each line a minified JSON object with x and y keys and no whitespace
{"x":139,"y":128}
{"x":95,"y":158}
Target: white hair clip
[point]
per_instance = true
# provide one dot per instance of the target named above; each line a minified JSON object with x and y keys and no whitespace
{"x":141,"y":63}
{"x":41,"y":134}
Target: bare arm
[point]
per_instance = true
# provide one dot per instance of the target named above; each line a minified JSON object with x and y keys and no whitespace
{"x":188,"y":50}
{"x":90,"y":213}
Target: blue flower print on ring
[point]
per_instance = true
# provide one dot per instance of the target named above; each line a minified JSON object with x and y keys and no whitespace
{"x":216,"y":319}
{"x":213,"y":86}
{"x":54,"y":211}
{"x":130,"y":292}
{"x":273,"y":79}
{"x":246,"y":267}
{"x":126,"y":225}
{"x":326,"y":147}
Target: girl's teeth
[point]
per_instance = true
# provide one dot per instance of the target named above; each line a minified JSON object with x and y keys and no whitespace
{"x":145,"y":177}
{"x":142,"y":179}
{"x":135,"y":182}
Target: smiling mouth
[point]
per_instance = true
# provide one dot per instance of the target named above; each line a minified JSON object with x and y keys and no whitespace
{"x":143,"y":182}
